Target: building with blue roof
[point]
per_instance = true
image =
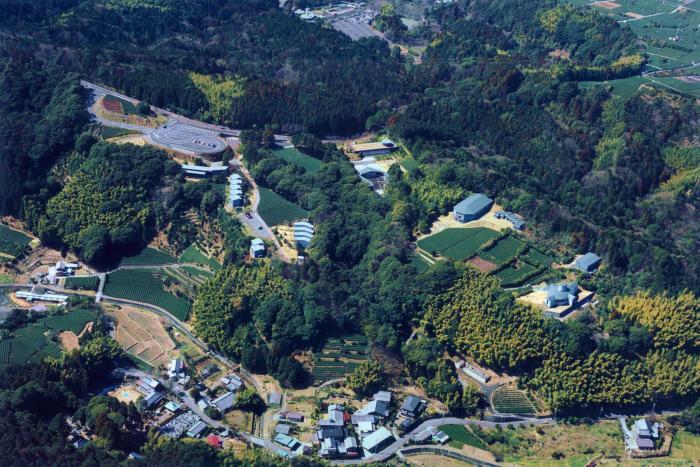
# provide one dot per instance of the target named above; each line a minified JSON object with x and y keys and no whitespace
{"x":561,"y":295}
{"x":303,"y":233}
{"x":472,"y":207}
{"x":588,"y":262}
{"x":235,"y":191}
{"x":257,"y":248}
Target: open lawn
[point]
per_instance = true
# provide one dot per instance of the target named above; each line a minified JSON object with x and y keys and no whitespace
{"x":294,"y":156}
{"x":504,"y":250}
{"x":276,"y":210}
{"x":113,"y":132}
{"x":686,"y":446}
{"x":145,"y":286}
{"x":12,"y":242}
{"x":457,"y":244}
{"x":461,"y":435}
{"x":574,"y":444}
{"x":148,"y":257}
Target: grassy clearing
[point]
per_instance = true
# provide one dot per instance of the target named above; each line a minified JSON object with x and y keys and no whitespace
{"x":33,"y":343}
{"x":148,"y":257}
{"x":6,"y":278}
{"x":195,"y":256}
{"x":276,"y":210}
{"x":146,"y":286}
{"x":82,"y":282}
{"x":456,"y":243}
{"x":461,"y":435}
{"x":12,"y":242}
{"x":685,"y":446}
{"x":409,"y":164}
{"x":294,"y":156}
{"x":504,"y":250}
{"x":108,"y":132}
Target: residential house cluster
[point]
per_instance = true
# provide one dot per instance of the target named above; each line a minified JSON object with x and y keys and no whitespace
{"x":149,"y":388}
{"x":61,"y":269}
{"x":336,"y":441}
{"x":431,"y":433}
{"x":645,"y":434}
{"x":410,"y":411}
{"x":226,"y":397}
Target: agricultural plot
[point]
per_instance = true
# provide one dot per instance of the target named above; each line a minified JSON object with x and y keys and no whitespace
{"x":118,"y":105}
{"x":503,"y":251}
{"x":339,"y":357}
{"x":513,"y":275}
{"x":456,"y":243}
{"x":145,"y":286}
{"x":31,"y":343}
{"x":294,"y":156}
{"x":82,"y":282}
{"x":142,"y":335}
{"x":536,"y":258}
{"x":509,"y":400}
{"x":12,"y":242}
{"x":276,"y":210}
{"x":461,"y":435}
{"x":148,"y":257}
{"x":194,"y":255}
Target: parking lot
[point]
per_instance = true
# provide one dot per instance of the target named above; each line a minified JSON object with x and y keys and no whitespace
{"x":186,"y":138}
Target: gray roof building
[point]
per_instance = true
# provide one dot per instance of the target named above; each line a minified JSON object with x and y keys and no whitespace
{"x":588,"y":262}
{"x":224,"y":402}
{"x":472,"y":207}
{"x":561,"y":294}
{"x":378,"y":440}
{"x":412,"y":407}
{"x":274,"y":398}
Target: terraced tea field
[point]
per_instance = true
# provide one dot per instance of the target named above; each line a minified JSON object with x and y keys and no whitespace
{"x":12,"y":242}
{"x":148,"y":257}
{"x":146,"y":286}
{"x":339,"y":357}
{"x":457,"y":243}
{"x":82,"y":282}
{"x":508,"y":400}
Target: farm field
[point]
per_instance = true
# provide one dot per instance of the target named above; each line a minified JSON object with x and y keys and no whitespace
{"x":504,"y":250}
{"x":119,"y":105}
{"x":276,"y":210}
{"x":142,"y":335}
{"x":509,"y":400}
{"x":82,"y":282}
{"x":146,"y":286}
{"x":461,"y":435}
{"x":30,"y":342}
{"x":536,"y":258}
{"x":456,"y":243}
{"x":296,"y":157}
{"x":339,"y":357}
{"x":12,"y":242}
{"x":685,"y":446}
{"x":148,"y":257}
{"x":512,"y":275}
{"x":194,"y":255}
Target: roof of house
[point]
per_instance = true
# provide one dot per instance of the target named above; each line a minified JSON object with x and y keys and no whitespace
{"x":378,"y":437}
{"x":285,"y":440}
{"x":214,"y":441}
{"x":172,"y":406}
{"x":196,"y":429}
{"x":473,"y":204}
{"x":382,"y":396}
{"x":225,"y":401}
{"x":561,"y":292}
{"x":644,"y":443}
{"x":293,"y":416}
{"x":411,"y":404}
{"x":274,"y":398}
{"x":587,"y":261}
{"x":332,"y":432}
{"x":282,"y":428}
{"x":376,"y":407}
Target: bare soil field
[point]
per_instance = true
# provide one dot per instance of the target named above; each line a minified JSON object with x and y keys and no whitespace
{"x":608,"y":5}
{"x":482,"y":264}
{"x":142,"y":334}
{"x":69,"y":340}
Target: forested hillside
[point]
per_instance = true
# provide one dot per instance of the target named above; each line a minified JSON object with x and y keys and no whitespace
{"x":502,"y":115}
